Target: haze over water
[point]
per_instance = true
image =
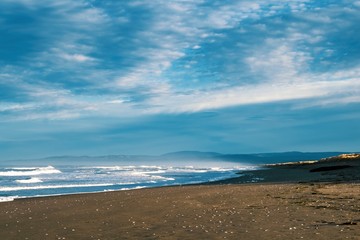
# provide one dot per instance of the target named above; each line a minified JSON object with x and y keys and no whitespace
{"x":19,"y":182}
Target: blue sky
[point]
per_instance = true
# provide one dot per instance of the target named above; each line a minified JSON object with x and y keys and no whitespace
{"x":92,"y":77}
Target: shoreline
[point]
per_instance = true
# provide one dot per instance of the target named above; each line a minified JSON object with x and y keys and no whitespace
{"x":287,"y":172}
{"x":279,"y":173}
{"x":334,"y":169}
{"x":115,"y":190}
{"x":148,"y":176}
{"x":221,"y":210}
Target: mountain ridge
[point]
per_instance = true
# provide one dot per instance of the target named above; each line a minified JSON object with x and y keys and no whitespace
{"x":251,"y":158}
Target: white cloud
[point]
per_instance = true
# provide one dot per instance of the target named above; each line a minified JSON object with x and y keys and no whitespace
{"x":185,"y":28}
{"x":89,"y":16}
{"x":14,"y":107}
{"x":279,"y":67}
{"x":182,"y":25}
{"x":229,"y":16}
{"x":116,"y":101}
{"x":324,"y":89}
{"x":278,"y":62}
{"x":342,"y":90}
{"x":76,"y":57}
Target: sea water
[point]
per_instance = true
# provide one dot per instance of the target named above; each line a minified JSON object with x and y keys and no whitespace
{"x":36,"y":181}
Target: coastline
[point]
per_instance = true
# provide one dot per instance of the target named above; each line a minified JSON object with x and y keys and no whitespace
{"x":64,"y":180}
{"x":324,"y":208}
{"x":339,"y":169}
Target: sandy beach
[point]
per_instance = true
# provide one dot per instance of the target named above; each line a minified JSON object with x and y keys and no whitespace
{"x":225,"y":210}
{"x":179,"y":119}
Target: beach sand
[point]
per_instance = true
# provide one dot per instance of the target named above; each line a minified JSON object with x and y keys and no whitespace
{"x":306,"y":210}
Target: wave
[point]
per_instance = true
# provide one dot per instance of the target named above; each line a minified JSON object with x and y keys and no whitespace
{"x":9,"y":189}
{"x":29,"y":171}
{"x":23,"y":168}
{"x":152,"y":169}
{"x":8,"y":199}
{"x":162,"y":178}
{"x":128,"y":168}
{"x":111,"y":168}
{"x":138,"y":187}
{"x":12,"y":198}
{"x":31,"y":180}
{"x":237,"y":168}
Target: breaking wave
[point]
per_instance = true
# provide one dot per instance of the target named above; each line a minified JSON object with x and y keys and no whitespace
{"x":30,"y":171}
{"x":9,"y":189}
{"x":31,"y":180}
{"x":22,"y":182}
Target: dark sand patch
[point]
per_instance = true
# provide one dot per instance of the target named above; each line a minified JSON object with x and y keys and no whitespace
{"x":330,"y":168}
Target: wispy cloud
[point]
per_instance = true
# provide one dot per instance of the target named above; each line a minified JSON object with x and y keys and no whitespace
{"x":83,"y":58}
{"x":321,"y":93}
{"x":76,"y":57}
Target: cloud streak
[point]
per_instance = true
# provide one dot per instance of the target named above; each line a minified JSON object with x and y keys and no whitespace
{"x":91,"y":58}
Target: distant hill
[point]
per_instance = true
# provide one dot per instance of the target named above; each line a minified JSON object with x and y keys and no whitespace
{"x":83,"y":160}
{"x":191,"y":154}
{"x":264,"y":158}
{"x":256,"y":158}
{"x":179,"y":157}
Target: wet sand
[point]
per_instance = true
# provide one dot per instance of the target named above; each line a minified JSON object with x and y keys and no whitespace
{"x":307,"y":210}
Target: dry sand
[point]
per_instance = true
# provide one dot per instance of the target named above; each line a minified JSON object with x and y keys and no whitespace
{"x":312,"y":210}
{"x":268,"y":211}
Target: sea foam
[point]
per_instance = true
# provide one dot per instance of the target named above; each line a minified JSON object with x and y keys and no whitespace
{"x":8,"y":199}
{"x":31,"y":180}
{"x":29,"y":171}
{"x":9,"y":189}
{"x":69,"y":179}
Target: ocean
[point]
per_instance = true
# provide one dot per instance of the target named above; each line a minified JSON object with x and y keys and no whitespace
{"x":49,"y":180}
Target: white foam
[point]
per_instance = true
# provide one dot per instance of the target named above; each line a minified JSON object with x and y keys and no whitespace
{"x":111,"y":168}
{"x":28,"y":180}
{"x":9,"y":189}
{"x":8,"y":199}
{"x":162,"y":178}
{"x":152,"y":167}
{"x":31,"y":180}
{"x":125,"y":167}
{"x":30,"y":171}
{"x":138,"y":187}
{"x":235,"y":168}
{"x":152,"y":172}
{"x":109,"y":190}
{"x":190,"y":170}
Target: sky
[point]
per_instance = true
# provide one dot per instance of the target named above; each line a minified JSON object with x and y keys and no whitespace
{"x":91,"y":77}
